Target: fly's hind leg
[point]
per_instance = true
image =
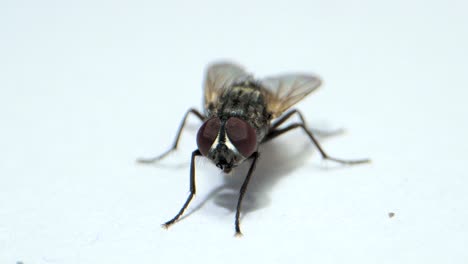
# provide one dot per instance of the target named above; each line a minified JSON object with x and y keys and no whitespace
{"x":176,"y":141}
{"x":275,"y":132}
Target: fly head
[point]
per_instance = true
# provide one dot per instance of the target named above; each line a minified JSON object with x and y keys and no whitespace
{"x":227,"y":143}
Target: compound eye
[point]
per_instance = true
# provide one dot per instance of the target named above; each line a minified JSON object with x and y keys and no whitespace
{"x":242,"y":136}
{"x":207,"y":134}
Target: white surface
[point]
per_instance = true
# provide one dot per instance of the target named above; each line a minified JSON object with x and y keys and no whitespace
{"x":86,"y":88}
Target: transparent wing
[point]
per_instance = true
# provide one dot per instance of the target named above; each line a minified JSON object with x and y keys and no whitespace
{"x":284,"y":91}
{"x":222,"y":75}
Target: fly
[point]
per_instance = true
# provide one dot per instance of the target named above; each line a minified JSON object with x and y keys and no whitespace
{"x":240,"y":114}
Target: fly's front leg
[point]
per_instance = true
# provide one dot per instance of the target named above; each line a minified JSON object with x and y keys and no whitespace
{"x":176,"y":142}
{"x":193,"y":190}
{"x":275,"y":132}
{"x":242,"y":192}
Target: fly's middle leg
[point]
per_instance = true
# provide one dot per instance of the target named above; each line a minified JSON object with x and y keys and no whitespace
{"x":275,"y":132}
{"x":176,"y":141}
{"x":319,"y":132}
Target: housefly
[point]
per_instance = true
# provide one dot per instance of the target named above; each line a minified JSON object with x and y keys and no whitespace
{"x":241,"y":113}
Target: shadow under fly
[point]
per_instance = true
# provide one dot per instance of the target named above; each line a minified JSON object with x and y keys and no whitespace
{"x":273,"y":164}
{"x":240,"y":114}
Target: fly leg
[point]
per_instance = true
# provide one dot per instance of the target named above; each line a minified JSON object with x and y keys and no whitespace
{"x":285,"y":117}
{"x":275,"y":132}
{"x":242,"y":192}
{"x":318,"y":132}
{"x":176,"y":141}
{"x":192,"y":190}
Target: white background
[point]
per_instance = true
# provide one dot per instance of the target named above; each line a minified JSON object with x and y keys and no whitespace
{"x":86,"y":88}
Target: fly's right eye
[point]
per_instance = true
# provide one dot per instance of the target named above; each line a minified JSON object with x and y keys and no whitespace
{"x":207,"y":134}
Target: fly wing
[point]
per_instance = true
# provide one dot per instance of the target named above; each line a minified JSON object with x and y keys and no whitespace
{"x":284,"y":91}
{"x":220,"y":76}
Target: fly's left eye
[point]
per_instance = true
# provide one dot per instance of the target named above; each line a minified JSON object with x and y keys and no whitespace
{"x":242,"y":135}
{"x":207,"y":135}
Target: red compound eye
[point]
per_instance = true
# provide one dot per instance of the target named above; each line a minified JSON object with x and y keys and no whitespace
{"x":207,"y":134}
{"x":242,"y":136}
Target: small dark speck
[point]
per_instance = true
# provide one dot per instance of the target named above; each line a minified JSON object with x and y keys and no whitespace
{"x":391,"y":215}
{"x":19,"y":262}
